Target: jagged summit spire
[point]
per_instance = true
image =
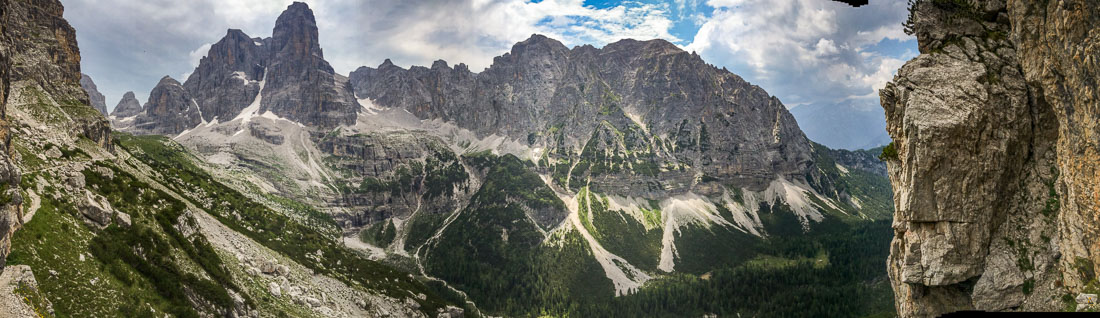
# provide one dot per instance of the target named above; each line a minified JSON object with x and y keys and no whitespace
{"x":295,"y":32}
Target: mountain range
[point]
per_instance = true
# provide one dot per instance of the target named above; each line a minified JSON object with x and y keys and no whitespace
{"x":559,"y":181}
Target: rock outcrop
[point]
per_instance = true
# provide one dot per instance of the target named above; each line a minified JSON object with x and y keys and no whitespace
{"x":10,"y":209}
{"x":227,"y":79}
{"x":94,"y":96}
{"x":46,"y":62}
{"x":169,"y":111}
{"x":396,"y":174}
{"x":128,"y":106}
{"x":994,"y":162}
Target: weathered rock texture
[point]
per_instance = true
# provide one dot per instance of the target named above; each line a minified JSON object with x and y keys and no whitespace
{"x":300,"y":84}
{"x":296,"y":81}
{"x":396,"y":174}
{"x":46,"y":62}
{"x":94,"y":96}
{"x":10,"y":214}
{"x":995,"y":131}
{"x":226,"y":80}
{"x":127,"y":106}
{"x":632,"y":105}
{"x":170,"y":110}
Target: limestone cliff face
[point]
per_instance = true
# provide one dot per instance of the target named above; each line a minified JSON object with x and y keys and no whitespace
{"x":97,"y":100}
{"x":285,"y":74}
{"x":10,"y":214}
{"x":45,"y":61}
{"x":300,"y":84}
{"x":645,"y":99}
{"x":994,"y":176}
{"x":227,"y":79}
{"x":170,"y":110}
{"x":1059,"y":47}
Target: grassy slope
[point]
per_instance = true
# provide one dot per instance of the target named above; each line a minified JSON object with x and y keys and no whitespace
{"x":274,"y":230}
{"x":113,"y":280}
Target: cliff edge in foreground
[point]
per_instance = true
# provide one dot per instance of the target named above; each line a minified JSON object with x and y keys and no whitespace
{"x":994,"y":161}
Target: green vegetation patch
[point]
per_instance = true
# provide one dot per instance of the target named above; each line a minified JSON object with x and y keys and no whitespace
{"x":621,"y":233}
{"x":379,"y":234}
{"x":496,"y":254}
{"x":321,"y":253}
{"x":851,"y":283}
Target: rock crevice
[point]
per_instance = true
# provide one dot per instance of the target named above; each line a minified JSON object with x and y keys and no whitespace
{"x":991,"y":148}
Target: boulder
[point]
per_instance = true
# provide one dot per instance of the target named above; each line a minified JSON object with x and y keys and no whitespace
{"x":95,"y":208}
{"x":274,"y":289}
{"x":123,"y":219}
{"x":75,"y":180}
{"x":53,"y":153}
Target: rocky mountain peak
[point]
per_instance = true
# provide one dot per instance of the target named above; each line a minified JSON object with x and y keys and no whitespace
{"x":549,"y":96}
{"x":227,"y":78}
{"x":649,"y":47}
{"x":170,"y":109}
{"x":167,"y":80}
{"x":387,"y":64}
{"x":536,"y":46}
{"x":295,"y":33}
{"x":300,"y":84}
{"x":95,"y":97}
{"x":128,"y":106}
{"x":236,"y":52}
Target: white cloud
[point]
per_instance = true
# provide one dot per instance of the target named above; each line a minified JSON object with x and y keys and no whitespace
{"x":804,"y":51}
{"x":475,"y":32}
{"x":196,"y":56}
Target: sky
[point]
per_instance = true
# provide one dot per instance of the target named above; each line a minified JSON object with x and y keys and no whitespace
{"x":802,"y":51}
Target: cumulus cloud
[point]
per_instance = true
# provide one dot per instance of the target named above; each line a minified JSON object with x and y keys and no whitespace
{"x":805,"y":51}
{"x":473,"y":32}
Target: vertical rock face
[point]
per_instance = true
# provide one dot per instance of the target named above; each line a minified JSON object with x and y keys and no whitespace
{"x":297,"y":83}
{"x":1059,"y":48}
{"x":300,"y":84}
{"x":671,"y":102}
{"x":94,"y":96}
{"x":170,"y":110}
{"x":227,"y":79}
{"x":10,"y":214}
{"x":45,"y":59}
{"x":128,"y":106}
{"x":994,"y":178}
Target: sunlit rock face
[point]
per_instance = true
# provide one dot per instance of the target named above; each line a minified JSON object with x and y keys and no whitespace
{"x":663,"y":100}
{"x":995,"y":127}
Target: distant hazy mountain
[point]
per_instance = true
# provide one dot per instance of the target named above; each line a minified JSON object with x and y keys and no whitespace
{"x":845,"y":125}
